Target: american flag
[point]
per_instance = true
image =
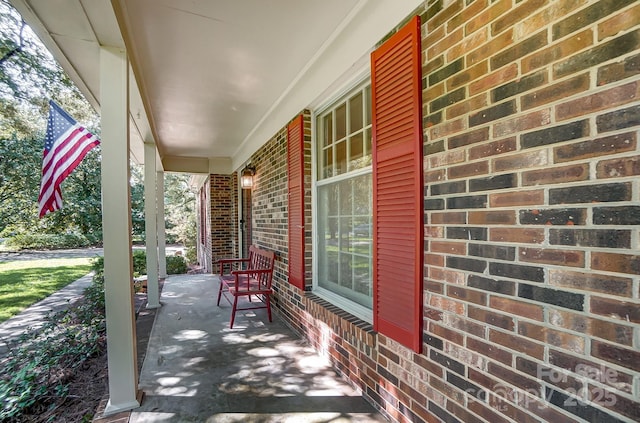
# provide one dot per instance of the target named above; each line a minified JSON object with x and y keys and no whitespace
{"x":65,"y":146}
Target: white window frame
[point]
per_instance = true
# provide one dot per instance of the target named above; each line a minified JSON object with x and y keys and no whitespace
{"x":347,"y":305}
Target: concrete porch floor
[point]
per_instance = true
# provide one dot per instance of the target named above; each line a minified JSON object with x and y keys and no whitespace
{"x":198,"y":370}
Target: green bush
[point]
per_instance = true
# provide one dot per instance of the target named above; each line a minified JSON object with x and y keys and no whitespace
{"x":139,"y":263}
{"x":94,"y":238}
{"x":47,"y":241}
{"x":191,"y":255}
{"x":176,"y":265}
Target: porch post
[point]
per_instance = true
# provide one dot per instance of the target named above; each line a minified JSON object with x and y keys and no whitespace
{"x":162,"y":252}
{"x":116,"y":224}
{"x":150,"y":222}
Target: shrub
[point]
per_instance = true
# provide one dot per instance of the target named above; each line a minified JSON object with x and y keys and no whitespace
{"x":139,"y":263}
{"x":94,"y":238}
{"x":191,"y":255}
{"x":176,"y":265}
{"x":47,"y":241}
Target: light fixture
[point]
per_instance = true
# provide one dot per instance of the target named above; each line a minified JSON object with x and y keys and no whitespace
{"x":246,"y":179}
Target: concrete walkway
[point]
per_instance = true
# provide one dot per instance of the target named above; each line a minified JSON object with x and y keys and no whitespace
{"x":50,"y":254}
{"x":198,"y":370}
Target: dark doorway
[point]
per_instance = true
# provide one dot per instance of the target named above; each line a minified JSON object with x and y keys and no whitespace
{"x":245,"y":222}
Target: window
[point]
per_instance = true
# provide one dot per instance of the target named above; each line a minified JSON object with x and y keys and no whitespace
{"x":343,"y":202}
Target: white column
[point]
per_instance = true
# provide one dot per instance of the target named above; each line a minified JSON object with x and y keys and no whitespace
{"x":150,"y":228}
{"x":116,"y":224}
{"x":162,"y":243}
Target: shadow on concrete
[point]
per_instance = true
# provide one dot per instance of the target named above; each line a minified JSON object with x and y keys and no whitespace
{"x":196,"y":369}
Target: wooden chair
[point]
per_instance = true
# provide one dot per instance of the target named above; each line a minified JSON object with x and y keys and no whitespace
{"x":247,"y":277}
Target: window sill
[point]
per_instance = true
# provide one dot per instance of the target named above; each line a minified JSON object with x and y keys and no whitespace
{"x":355,"y":321}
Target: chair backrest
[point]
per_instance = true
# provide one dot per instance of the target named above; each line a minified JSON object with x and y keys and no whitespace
{"x":260,"y":259}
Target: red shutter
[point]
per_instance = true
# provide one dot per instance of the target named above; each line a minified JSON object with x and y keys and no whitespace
{"x":295,"y":163}
{"x":397,"y":186}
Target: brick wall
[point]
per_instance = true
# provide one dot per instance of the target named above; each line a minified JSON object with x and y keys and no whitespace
{"x":269,"y":216}
{"x":531,"y":197}
{"x":224,"y":216}
{"x":532,"y":205}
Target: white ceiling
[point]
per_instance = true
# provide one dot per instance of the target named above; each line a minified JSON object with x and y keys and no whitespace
{"x":212,"y":75}
{"x":218,"y":66}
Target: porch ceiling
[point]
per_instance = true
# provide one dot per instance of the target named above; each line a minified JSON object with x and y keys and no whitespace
{"x":209,"y":74}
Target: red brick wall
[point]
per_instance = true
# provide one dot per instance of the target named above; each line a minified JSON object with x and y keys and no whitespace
{"x":269,"y":215}
{"x":531,"y":122}
{"x":532,"y":207}
{"x":224,"y":216}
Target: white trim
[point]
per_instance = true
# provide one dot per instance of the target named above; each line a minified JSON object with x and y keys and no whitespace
{"x":350,"y":307}
{"x":111,"y":409}
{"x":150,"y":225}
{"x":162,"y":239}
{"x":343,"y":87}
{"x":346,"y":83}
{"x":343,"y":176}
{"x":352,"y":41}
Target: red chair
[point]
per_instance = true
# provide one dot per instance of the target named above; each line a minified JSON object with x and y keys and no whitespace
{"x":247,"y":277}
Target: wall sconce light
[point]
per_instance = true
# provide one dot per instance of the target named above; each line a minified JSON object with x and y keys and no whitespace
{"x":246,"y":179}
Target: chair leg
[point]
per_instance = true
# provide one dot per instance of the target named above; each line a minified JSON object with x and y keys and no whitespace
{"x":268,"y":301}
{"x":219,"y":292}
{"x":233,"y":311}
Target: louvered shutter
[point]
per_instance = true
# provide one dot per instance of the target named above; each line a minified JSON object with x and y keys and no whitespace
{"x":397,"y":186}
{"x":295,"y":163}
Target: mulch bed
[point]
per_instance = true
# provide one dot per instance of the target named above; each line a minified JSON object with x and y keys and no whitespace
{"x":89,"y":383}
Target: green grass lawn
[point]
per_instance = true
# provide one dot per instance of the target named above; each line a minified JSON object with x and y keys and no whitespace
{"x":24,"y":282}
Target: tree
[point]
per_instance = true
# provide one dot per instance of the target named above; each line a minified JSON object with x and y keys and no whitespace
{"x":180,"y":206}
{"x":29,"y":77}
{"x":137,"y":202}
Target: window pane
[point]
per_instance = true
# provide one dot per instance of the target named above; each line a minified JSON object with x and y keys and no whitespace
{"x":355,"y":113}
{"x":356,"y":152}
{"x":367,"y":147}
{"x":341,"y":122}
{"x":346,"y":272}
{"x":362,"y":231}
{"x":361,"y":275}
{"x":362,"y":192}
{"x":344,"y":245}
{"x":333,"y":274}
{"x":367,"y":105}
{"x":327,"y":130}
{"x":327,"y":163}
{"x":346,"y":198}
{"x":341,"y":158}
{"x":345,"y":234}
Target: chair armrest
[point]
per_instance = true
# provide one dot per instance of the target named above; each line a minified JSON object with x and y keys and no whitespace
{"x":250,"y":271}
{"x":231,"y":261}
